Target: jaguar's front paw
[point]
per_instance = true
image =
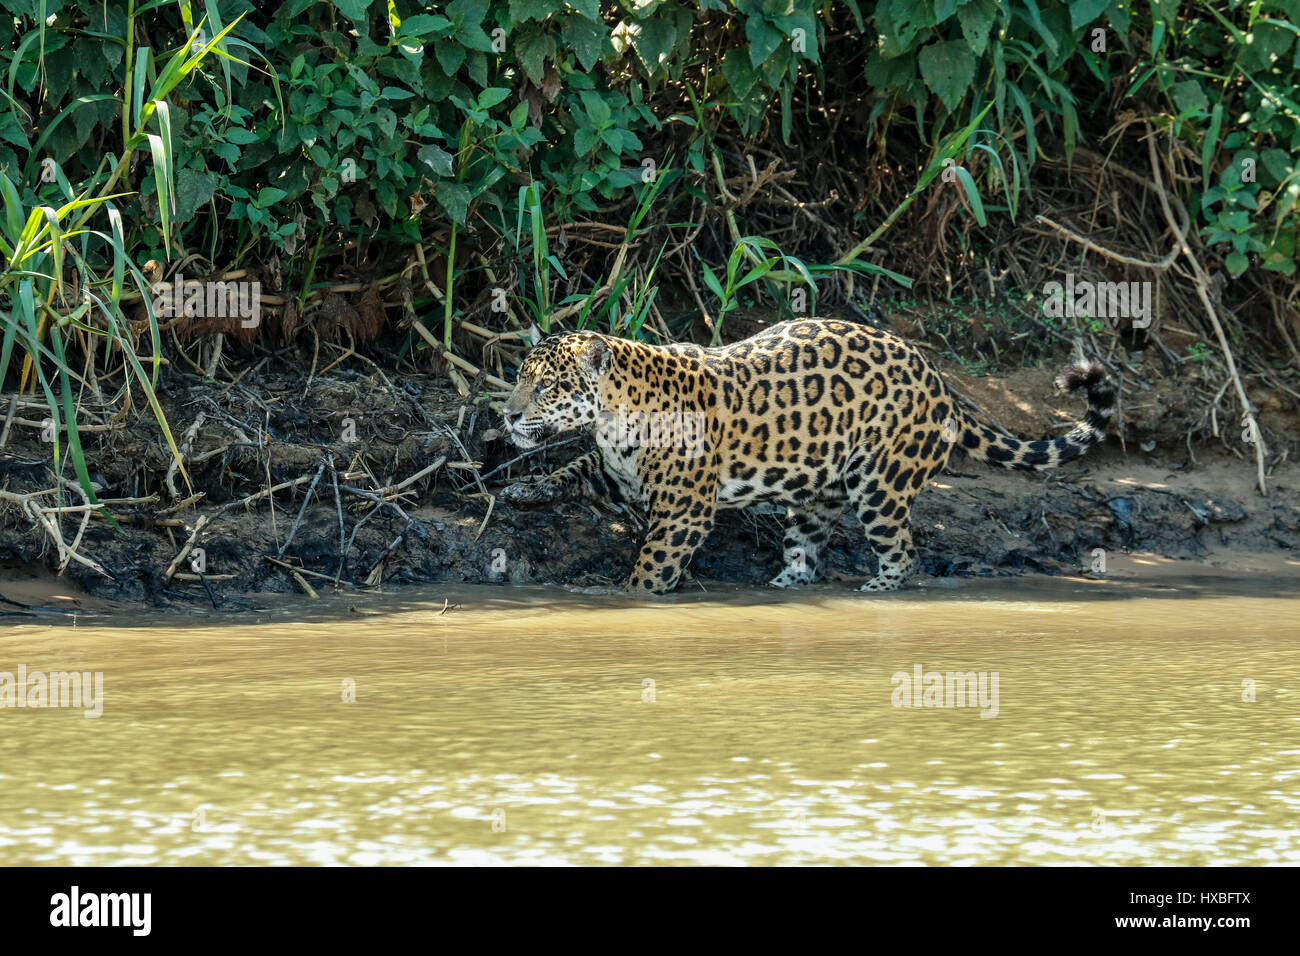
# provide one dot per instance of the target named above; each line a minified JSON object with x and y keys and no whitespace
{"x":527,"y":493}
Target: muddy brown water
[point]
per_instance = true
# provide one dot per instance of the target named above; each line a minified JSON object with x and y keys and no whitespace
{"x":1153,"y":719}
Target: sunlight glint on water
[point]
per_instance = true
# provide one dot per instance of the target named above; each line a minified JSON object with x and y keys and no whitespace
{"x":714,"y":731}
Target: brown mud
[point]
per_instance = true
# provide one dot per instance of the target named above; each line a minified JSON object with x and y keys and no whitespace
{"x":401,"y":470}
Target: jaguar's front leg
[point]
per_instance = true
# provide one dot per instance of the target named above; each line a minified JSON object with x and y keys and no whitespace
{"x":679,"y":523}
{"x":583,"y":477}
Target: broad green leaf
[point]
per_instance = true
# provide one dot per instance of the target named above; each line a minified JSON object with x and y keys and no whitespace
{"x":976,"y":18}
{"x":436,"y":158}
{"x":948,"y":69}
{"x":455,"y":199}
{"x":492,"y":96}
{"x":763,"y":38}
{"x":523,"y":10}
{"x":655,"y":43}
{"x":589,"y":40}
{"x":193,"y":190}
{"x":354,"y":10}
{"x":597,"y":109}
{"x":1083,"y":12}
{"x":1188,"y":96}
{"x":423,"y":25}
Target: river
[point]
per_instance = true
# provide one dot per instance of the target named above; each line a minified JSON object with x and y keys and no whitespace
{"x":1084,"y":722}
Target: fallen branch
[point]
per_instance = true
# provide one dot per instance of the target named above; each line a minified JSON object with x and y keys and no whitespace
{"x":306,"y":499}
{"x":185,"y":549}
{"x":1202,"y":292}
{"x":47,"y":520}
{"x":186,"y":443}
{"x":338,"y":504}
{"x":290,"y":567}
{"x":393,"y":489}
{"x":453,"y":359}
{"x":1161,"y":265}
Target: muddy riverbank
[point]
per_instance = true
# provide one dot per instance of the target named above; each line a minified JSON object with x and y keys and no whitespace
{"x":398,"y":472}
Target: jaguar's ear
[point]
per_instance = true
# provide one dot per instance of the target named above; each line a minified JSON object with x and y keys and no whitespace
{"x":597,"y":356}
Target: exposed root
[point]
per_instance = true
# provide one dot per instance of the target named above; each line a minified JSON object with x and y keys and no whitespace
{"x":48,"y":519}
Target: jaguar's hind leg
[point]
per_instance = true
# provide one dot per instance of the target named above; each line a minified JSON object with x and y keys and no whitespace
{"x":808,"y":530}
{"x":882,"y":493}
{"x":894,"y":552}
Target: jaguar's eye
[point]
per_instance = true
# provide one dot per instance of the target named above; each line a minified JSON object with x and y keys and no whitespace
{"x":543,"y":383}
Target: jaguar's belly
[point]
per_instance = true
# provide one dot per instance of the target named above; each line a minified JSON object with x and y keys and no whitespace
{"x":783,"y":483}
{"x":741,"y":494}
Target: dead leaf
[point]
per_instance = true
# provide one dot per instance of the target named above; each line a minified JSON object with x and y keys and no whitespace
{"x":369,"y":316}
{"x":551,"y":83}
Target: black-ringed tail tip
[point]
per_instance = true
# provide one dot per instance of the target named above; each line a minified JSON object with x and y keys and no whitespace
{"x":984,"y":444}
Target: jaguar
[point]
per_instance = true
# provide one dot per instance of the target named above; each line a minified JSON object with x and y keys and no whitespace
{"x":811,"y":414}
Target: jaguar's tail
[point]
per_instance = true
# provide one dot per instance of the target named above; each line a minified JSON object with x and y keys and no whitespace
{"x":984,"y":444}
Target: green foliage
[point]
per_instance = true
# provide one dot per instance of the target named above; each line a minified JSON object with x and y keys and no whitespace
{"x":305,"y":127}
{"x":64,"y":282}
{"x":725,"y":289}
{"x":1230,"y":78}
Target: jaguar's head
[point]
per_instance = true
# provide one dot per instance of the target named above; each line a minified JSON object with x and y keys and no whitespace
{"x":558,"y":388}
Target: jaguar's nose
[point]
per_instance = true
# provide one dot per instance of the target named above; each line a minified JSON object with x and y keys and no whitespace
{"x":511,"y":418}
